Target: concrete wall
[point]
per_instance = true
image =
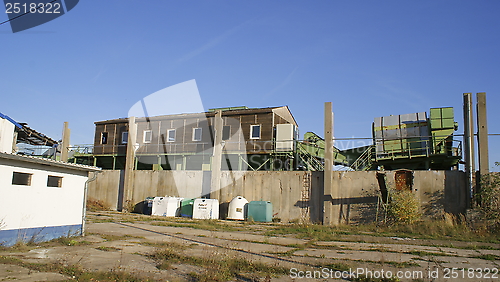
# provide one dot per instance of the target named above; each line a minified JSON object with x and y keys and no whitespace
{"x":295,"y":195}
{"x":357,"y":202}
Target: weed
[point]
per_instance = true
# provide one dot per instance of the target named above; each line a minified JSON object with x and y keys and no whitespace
{"x":107,"y":249}
{"x":488,"y":257}
{"x":488,"y":199}
{"x":403,"y":207}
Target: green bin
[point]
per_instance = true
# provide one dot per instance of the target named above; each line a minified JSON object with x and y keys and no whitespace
{"x":261,"y":211}
{"x":187,"y":207}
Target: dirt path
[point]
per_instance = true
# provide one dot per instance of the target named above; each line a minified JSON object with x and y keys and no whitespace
{"x":137,"y":247}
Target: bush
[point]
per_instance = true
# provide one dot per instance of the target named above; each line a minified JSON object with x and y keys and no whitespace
{"x":403,"y":207}
{"x":488,"y":200}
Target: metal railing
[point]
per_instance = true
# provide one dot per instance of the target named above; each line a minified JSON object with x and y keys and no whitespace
{"x":402,"y":148}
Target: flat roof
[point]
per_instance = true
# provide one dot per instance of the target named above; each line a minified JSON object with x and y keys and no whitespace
{"x":229,"y":111}
{"x":48,"y":162}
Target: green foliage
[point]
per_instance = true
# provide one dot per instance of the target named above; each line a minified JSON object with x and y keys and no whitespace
{"x":488,"y":200}
{"x":403,"y":207}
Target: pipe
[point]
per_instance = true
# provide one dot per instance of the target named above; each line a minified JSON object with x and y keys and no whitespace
{"x":84,"y":211}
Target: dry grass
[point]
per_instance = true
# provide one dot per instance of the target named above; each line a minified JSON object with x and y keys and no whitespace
{"x":96,"y":205}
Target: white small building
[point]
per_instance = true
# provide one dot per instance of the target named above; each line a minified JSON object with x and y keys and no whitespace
{"x":40,"y":199}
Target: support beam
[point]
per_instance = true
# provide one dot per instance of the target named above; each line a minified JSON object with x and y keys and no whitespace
{"x":217,"y":157}
{"x":469,"y":145}
{"x":482,"y":134}
{"x":128,"y":183}
{"x":65,"y":142}
{"x":331,"y":212}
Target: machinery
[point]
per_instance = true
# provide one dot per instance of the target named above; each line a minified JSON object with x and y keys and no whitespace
{"x":410,"y":141}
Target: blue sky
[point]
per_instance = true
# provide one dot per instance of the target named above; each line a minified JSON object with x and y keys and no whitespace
{"x":370,"y":58}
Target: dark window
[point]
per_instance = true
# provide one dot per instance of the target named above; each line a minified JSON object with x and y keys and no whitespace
{"x":54,"y":181}
{"x":20,"y":178}
{"x":255,"y":132}
{"x":226,"y":132}
{"x":196,"y":134}
{"x":171,"y":135}
{"x":104,"y":138}
{"x":124,"y":137}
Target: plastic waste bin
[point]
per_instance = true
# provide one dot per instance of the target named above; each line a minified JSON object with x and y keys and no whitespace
{"x":236,"y":209}
{"x":187,"y":207}
{"x":261,"y":211}
{"x":147,"y":205}
{"x":166,"y":206}
{"x":206,"y":209}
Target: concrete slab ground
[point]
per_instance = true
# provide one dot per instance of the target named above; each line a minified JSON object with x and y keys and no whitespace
{"x":117,"y":243}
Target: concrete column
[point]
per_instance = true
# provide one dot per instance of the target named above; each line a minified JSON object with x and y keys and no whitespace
{"x":128,"y":182}
{"x":482,"y":134}
{"x":332,"y":211}
{"x":468,"y":148}
{"x":217,"y":156}
{"x":65,"y":142}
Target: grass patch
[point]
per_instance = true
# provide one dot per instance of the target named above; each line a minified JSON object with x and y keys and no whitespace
{"x":210,"y":225}
{"x":488,"y":257}
{"x":111,"y":237}
{"x":428,"y":229}
{"x":75,"y":272}
{"x":363,"y":278}
{"x":19,"y":247}
{"x":427,"y":254}
{"x":216,"y":268}
{"x":107,"y":249}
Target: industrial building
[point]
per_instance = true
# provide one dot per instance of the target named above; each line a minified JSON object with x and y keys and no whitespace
{"x":253,"y":139}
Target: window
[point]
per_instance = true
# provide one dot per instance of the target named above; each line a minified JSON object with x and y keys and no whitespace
{"x":196,"y":134}
{"x":171,"y":135}
{"x":255,"y":132}
{"x":226,"y":132}
{"x":148,"y":136}
{"x":104,"y":138}
{"x":124,"y":137}
{"x":54,"y":181}
{"x":21,"y":178}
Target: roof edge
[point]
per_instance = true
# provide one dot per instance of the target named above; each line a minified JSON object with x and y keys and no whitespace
{"x":48,"y":162}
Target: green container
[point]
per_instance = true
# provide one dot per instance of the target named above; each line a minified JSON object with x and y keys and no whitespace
{"x":187,"y":207}
{"x":261,"y":211}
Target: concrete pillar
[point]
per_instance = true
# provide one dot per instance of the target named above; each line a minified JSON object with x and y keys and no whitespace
{"x":65,"y":142}
{"x":482,"y":134}
{"x":217,"y":156}
{"x":332,"y":211}
{"x":128,"y":182}
{"x":468,"y":148}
